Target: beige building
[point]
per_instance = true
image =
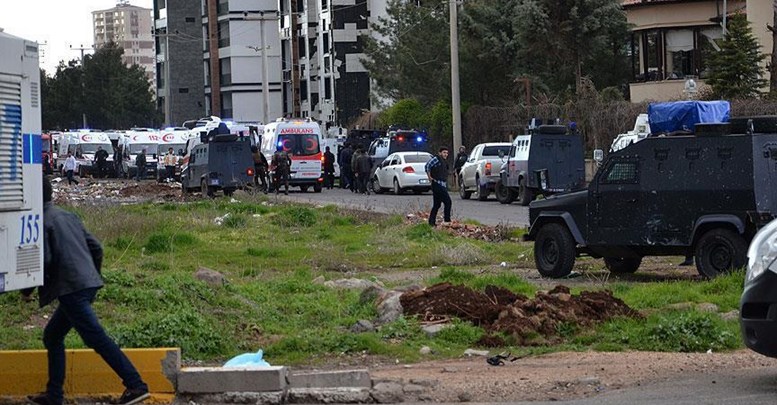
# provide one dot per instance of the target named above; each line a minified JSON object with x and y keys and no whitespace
{"x":131,"y":28}
{"x":672,"y":41}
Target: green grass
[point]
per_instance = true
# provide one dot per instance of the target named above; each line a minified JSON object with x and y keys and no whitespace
{"x":270,"y":256}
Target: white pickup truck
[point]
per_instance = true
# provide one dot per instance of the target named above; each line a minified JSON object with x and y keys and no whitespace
{"x":481,"y":171}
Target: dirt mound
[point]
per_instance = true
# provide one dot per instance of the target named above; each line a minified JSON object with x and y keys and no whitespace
{"x":456,"y":228}
{"x":534,"y":321}
{"x":94,"y":191}
{"x":158,"y":190}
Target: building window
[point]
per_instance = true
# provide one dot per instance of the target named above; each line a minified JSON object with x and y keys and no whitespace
{"x":191,"y":19}
{"x":183,"y":90}
{"x":226,"y":105}
{"x":328,"y":88}
{"x":225,"y":67}
{"x":223,"y":34}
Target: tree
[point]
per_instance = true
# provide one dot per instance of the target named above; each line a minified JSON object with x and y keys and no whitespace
{"x":736,"y":70}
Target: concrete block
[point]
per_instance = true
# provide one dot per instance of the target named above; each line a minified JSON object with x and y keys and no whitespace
{"x":331,"y":379}
{"x":203,"y":380}
{"x":329,"y":396}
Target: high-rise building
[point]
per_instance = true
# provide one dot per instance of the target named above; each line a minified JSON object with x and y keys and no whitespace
{"x":129,"y":27}
{"x":179,"y":39}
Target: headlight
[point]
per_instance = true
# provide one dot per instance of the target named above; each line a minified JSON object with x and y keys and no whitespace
{"x":762,"y":252}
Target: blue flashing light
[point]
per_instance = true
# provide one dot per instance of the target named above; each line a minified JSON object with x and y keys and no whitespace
{"x":419,"y":139}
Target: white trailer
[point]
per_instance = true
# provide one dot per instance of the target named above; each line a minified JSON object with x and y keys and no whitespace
{"x":21,"y":187}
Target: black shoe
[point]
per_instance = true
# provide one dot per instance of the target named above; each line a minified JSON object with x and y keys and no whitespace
{"x":40,"y":399}
{"x":133,"y":397}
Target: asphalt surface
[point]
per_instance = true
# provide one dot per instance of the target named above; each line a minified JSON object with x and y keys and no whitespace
{"x":489,"y":212}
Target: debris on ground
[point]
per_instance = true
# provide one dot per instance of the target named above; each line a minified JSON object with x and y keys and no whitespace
{"x":456,"y":228}
{"x":528,"y":321}
{"x":91,"y":192}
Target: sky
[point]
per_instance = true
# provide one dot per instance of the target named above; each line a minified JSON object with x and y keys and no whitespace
{"x":60,"y":24}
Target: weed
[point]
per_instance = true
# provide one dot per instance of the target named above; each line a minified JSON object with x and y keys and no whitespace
{"x":293,"y":216}
{"x":155,"y":265}
{"x":236,"y":221}
{"x":263,"y":252}
{"x":122,"y":242}
{"x":423,"y":233}
{"x":460,"y":254}
{"x":692,"y":332}
{"x":166,"y":241}
{"x":462,"y":333}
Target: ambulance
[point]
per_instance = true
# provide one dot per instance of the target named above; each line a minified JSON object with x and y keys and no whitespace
{"x":21,"y":198}
{"x":132,"y":143}
{"x":301,"y":139}
{"x":83,"y":145}
{"x":173,"y":137}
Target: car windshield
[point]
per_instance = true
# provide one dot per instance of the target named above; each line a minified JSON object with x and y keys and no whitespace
{"x":420,"y":158}
{"x":178,"y":148}
{"x":494,"y":150}
{"x":300,"y":144}
{"x":91,"y":148}
{"x":135,"y":148}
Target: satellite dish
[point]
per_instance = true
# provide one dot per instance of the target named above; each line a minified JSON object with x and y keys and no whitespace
{"x":690,"y":89}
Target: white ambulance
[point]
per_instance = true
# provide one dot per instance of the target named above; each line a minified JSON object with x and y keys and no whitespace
{"x":301,"y":139}
{"x":173,"y":137}
{"x":21,"y":201}
{"x":133,"y":142}
{"x":83,"y":145}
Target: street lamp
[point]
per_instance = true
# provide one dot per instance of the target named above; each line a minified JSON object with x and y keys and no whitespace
{"x":262,"y":17}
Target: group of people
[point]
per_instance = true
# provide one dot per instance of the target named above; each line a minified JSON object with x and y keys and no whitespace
{"x":355,"y":169}
{"x":279,"y":167}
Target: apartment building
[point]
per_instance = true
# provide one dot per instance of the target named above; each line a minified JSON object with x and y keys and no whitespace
{"x":180,"y":85}
{"x":672,"y":40}
{"x":129,"y":27}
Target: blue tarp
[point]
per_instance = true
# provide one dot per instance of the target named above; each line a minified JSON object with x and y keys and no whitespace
{"x":684,"y":115}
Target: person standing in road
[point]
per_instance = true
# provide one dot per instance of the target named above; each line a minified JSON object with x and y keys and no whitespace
{"x":170,"y":160}
{"x":281,"y":163}
{"x":437,"y":172}
{"x":118,"y":157}
{"x":461,"y":158}
{"x":260,"y":168}
{"x":329,"y":169}
{"x":361,"y":168}
{"x":346,"y":174}
{"x":140,"y":163}
{"x":72,"y":261}
{"x":69,"y":167}
{"x":101,"y":161}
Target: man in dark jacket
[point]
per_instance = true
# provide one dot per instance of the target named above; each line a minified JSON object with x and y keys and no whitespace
{"x":281,"y":167}
{"x":461,"y":158}
{"x":260,"y":168}
{"x":101,"y":161}
{"x":72,"y":260}
{"x":329,"y":169}
{"x":437,"y":171}
{"x":346,"y":174}
{"x":140,"y":162}
{"x":361,"y":169}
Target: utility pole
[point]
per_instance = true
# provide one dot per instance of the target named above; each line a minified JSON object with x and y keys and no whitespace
{"x":455,"y":97}
{"x":271,"y":16}
{"x":82,"y":48}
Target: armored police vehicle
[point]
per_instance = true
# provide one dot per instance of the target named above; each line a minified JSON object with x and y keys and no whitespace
{"x":221,"y":161}
{"x":546,"y":161}
{"x":704,"y":194}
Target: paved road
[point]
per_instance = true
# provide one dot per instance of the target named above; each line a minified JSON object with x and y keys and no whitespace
{"x":486,"y":212}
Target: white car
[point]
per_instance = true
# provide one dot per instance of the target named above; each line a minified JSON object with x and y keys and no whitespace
{"x":402,"y":171}
{"x":481,"y":171}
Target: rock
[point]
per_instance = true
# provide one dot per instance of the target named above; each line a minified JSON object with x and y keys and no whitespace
{"x":707,"y":307}
{"x":732,"y":315}
{"x":413,"y":389}
{"x":319,"y":280}
{"x":362,"y":326}
{"x":473,"y":352}
{"x":589,"y":381}
{"x":465,"y":396}
{"x":387,"y":393}
{"x":351,"y":284}
{"x":680,"y":306}
{"x":389,"y":308}
{"x":211,"y":277}
{"x":425,"y":350}
{"x":433,"y":330}
{"x":371,"y":294}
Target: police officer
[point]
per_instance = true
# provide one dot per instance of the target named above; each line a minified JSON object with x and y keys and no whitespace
{"x":437,"y":172}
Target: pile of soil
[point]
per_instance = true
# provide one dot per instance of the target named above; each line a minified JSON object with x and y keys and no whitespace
{"x":528,"y":321}
{"x":481,"y":232}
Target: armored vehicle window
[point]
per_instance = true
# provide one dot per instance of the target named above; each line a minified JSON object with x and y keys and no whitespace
{"x":621,"y":173}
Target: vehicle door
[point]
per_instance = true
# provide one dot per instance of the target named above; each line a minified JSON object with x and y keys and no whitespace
{"x":470,"y":167}
{"x":616,"y":204}
{"x":386,"y":171}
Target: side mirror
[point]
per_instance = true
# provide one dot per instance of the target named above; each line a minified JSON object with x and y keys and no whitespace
{"x":598,"y":155}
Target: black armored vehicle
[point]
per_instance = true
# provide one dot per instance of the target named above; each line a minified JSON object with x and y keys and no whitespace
{"x":705,"y":194}
{"x":546,"y":161}
{"x":221,"y":161}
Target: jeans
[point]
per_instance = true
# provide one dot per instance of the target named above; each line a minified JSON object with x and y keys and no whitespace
{"x":170,"y":172}
{"x":75,"y":312}
{"x":439,"y":196}
{"x":70,"y":179}
{"x":346,"y":178}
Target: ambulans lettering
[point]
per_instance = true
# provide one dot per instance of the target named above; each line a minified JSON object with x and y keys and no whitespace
{"x":293,"y":130}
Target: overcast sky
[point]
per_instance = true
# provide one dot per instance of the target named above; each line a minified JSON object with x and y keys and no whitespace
{"x":59,"y":24}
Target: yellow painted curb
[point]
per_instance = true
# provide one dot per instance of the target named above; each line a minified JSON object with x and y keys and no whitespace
{"x":25,"y":372}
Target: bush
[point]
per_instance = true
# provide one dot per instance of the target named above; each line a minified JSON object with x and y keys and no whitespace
{"x":423,"y":232}
{"x":236,"y":221}
{"x":295,"y":216}
{"x":693,"y":332}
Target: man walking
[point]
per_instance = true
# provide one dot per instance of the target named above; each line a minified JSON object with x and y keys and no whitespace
{"x":329,"y":169}
{"x":101,"y":161}
{"x":346,"y":174}
{"x":362,"y":167}
{"x":69,"y":167}
{"x":437,"y":172}
{"x":140,"y":163}
{"x":458,"y":163}
{"x":72,"y":260}
{"x":281,"y":163}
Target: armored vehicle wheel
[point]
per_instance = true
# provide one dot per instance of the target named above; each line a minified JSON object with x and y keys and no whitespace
{"x":207,"y":191}
{"x":375,"y":186}
{"x":397,"y":189}
{"x":554,"y":251}
{"x":463,"y":193}
{"x":317,"y":188}
{"x":720,"y":251}
{"x":184,"y":189}
{"x":621,"y":265}
{"x":482,"y":190}
{"x":525,"y":195}
{"x":505,"y":195}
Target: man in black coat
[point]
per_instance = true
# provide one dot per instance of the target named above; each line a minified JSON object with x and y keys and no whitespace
{"x":72,"y":261}
{"x":101,"y":160}
{"x":329,"y":169}
{"x":346,"y":174}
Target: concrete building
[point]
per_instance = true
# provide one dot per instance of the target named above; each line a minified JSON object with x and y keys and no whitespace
{"x":129,"y":27}
{"x":179,"y":39}
{"x":672,"y":40}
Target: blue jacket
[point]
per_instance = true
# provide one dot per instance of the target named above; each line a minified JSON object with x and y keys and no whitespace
{"x":72,"y":257}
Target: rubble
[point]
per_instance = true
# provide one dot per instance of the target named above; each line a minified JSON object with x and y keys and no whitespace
{"x":481,"y":232}
{"x":528,"y":321}
{"x":92,"y":191}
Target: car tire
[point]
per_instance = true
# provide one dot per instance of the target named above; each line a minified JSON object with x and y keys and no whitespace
{"x":622,"y":265}
{"x":525,"y":195}
{"x":482,"y":190}
{"x":505,"y":195}
{"x":417,"y":191}
{"x":554,"y":251}
{"x":397,"y":188}
{"x":720,"y":251}
{"x":375,"y":186}
{"x":207,"y":191}
{"x":463,"y":193}
{"x":304,"y":189}
{"x":317,"y":188}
